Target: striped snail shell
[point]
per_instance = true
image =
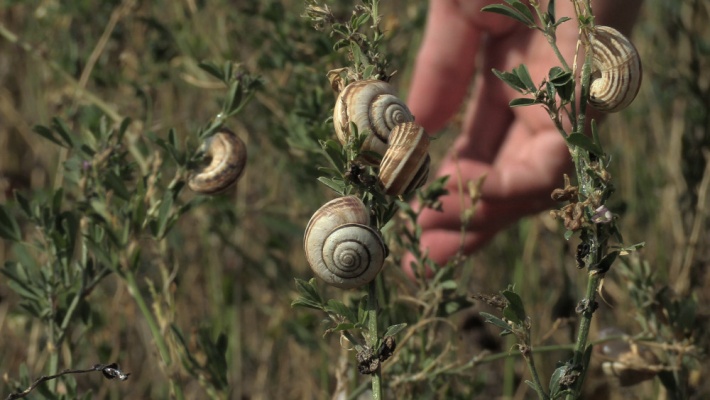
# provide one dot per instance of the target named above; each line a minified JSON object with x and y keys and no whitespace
{"x":616,"y":70}
{"x":341,"y":248}
{"x":373,"y":107}
{"x":405,"y":166}
{"x":226,"y":156}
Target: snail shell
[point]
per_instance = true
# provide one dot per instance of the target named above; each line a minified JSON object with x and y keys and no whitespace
{"x":227,"y":155}
{"x":616,"y":70}
{"x":405,"y":166}
{"x":341,"y":248}
{"x":373,"y":107}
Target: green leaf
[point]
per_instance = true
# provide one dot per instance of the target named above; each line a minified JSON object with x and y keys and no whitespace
{"x":558,"y":76}
{"x":63,"y":131}
{"x":164,"y":213}
{"x":508,"y":12}
{"x":302,"y":302}
{"x":309,"y":291}
{"x":491,"y":319}
{"x":561,"y":20}
{"x":605,"y":263}
{"x":116,"y":184}
{"x":522,"y":102}
{"x":212,"y":69}
{"x":341,"y":309}
{"x":511,"y":80}
{"x":24,"y":204}
{"x":344,"y":327}
{"x":47,"y":134}
{"x":555,"y":380}
{"x":395,"y":329}
{"x":584,"y":142}
{"x":338,"y":185}
{"x":522,"y":9}
{"x":123,"y":128}
{"x":515,"y":311}
{"x":334,"y":153}
{"x":524,"y":75}
{"x":8,"y":226}
{"x":551,"y":11}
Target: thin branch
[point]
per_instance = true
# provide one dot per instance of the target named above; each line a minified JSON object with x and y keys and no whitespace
{"x":110,"y":371}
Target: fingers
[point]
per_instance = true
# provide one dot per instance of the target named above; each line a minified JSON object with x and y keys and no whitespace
{"x":529,"y":166}
{"x":441,"y":245}
{"x":444,"y":65}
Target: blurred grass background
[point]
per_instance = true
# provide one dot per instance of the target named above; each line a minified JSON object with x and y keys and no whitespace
{"x":234,"y":258}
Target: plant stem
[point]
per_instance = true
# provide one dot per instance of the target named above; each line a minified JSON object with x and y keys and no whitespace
{"x":584,"y":324}
{"x":160,"y":343}
{"x":528,"y":355}
{"x":373,"y":336}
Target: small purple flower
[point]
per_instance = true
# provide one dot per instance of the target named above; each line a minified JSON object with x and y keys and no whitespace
{"x":602,"y":215}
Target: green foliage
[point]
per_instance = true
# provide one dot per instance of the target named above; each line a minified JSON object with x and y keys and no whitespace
{"x":107,"y":258}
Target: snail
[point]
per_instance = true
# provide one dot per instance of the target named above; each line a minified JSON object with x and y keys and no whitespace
{"x":373,"y":107}
{"x":405,"y":165}
{"x":616,"y":70}
{"x":227,"y":156}
{"x":341,"y":248}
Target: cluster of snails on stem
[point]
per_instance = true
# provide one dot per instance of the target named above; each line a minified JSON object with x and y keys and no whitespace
{"x":225,"y":159}
{"x":616,"y":70}
{"x":342,"y":247}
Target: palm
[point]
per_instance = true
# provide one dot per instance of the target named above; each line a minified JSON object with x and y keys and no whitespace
{"x":519,"y":151}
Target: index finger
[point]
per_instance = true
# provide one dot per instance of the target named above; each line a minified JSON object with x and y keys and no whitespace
{"x":444,"y":65}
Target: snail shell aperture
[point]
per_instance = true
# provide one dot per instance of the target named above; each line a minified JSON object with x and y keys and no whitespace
{"x":616,"y":70}
{"x":341,"y":248}
{"x":373,"y":107}
{"x":405,"y":166}
{"x":227,"y":155}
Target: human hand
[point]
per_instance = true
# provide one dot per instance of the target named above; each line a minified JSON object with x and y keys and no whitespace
{"x":519,"y":151}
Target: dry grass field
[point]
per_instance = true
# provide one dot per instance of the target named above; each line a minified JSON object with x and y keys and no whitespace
{"x":200,"y":306}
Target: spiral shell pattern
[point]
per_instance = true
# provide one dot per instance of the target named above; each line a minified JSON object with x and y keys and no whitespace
{"x":405,"y":166}
{"x":341,"y":248}
{"x":616,"y":70}
{"x":227,"y":155}
{"x":373,"y":107}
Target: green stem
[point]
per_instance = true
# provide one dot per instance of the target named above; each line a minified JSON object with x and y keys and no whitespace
{"x":373,"y":336}
{"x":582,"y":335}
{"x":549,"y":32}
{"x":530,"y":360}
{"x":135,"y":292}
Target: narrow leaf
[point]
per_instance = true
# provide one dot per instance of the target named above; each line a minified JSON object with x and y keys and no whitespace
{"x":211,"y":69}
{"x":510,"y":79}
{"x":524,"y":75}
{"x":8,"y":226}
{"x":336,"y":184}
{"x":308,"y":290}
{"x":522,"y":102}
{"x":515,"y":305}
{"x":491,"y":319}
{"x":341,"y":309}
{"x":61,"y":128}
{"x":580,"y":140}
{"x":395,"y":329}
{"x":508,"y":12}
{"x":47,"y":134}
